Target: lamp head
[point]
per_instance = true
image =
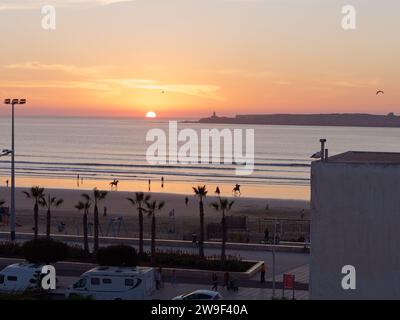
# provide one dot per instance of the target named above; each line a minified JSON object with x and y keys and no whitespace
{"x":22,"y":101}
{"x":7,"y":101}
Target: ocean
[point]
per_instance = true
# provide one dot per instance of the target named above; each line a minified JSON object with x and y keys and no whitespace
{"x":53,"y":151}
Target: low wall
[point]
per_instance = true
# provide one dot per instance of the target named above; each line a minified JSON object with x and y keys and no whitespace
{"x":282,"y":247}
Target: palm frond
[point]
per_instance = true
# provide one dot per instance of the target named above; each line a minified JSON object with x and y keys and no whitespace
{"x":86,"y":196}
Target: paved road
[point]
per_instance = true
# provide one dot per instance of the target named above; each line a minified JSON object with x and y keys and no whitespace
{"x":284,"y":263}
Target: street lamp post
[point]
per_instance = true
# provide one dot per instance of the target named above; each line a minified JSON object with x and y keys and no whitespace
{"x":13,"y":102}
{"x":273,"y":261}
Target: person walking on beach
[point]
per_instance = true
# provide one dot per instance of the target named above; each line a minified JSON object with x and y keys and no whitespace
{"x":77,"y":180}
{"x":263,"y":270}
{"x":214,"y":282}
{"x":105,"y":212}
{"x":7,"y":183}
{"x":162,"y":182}
{"x":186,"y":201}
{"x":149,"y":185}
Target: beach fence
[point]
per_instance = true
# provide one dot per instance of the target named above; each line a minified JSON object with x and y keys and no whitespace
{"x":241,"y":229}
{"x":293,"y":230}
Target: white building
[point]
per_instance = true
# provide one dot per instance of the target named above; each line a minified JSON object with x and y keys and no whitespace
{"x":355,"y":220}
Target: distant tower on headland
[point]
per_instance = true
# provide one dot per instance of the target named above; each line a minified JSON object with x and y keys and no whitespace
{"x":214,"y":115}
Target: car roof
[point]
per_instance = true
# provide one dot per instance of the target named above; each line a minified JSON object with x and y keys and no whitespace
{"x":114,"y":271}
{"x":24,"y":267}
{"x":207,"y":292}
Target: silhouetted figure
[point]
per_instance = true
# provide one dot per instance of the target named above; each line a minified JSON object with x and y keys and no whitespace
{"x":162,"y":182}
{"x":214,"y":280}
{"x":194,"y":239}
{"x":105,"y":212}
{"x":114,"y":184}
{"x":77,"y":180}
{"x":149,"y":185}
{"x":262,"y":275}
{"x":217,"y":191}
{"x":186,"y":201}
{"x":7,"y":183}
{"x":226,"y":279}
{"x":236,"y":190}
{"x":266,"y":234}
{"x":172,"y":224}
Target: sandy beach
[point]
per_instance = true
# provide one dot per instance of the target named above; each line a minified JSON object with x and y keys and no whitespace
{"x":185,"y":220}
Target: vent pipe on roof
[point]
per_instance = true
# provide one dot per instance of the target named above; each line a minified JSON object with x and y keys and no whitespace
{"x":322,"y":149}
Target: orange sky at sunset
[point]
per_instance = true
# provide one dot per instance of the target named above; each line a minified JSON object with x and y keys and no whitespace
{"x":190,"y":57}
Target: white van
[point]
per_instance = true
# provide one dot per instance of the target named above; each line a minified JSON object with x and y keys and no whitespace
{"x":115,"y":283}
{"x":20,"y":276}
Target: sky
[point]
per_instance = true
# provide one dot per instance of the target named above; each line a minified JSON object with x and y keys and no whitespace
{"x":188,"y":58}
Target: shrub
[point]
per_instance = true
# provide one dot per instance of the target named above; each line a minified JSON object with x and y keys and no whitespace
{"x":77,"y":253}
{"x":120,"y":255}
{"x":182,"y":259}
{"x":10,"y":249}
{"x":44,"y":251}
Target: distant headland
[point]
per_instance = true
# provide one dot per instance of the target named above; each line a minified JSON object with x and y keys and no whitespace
{"x":331,"y":119}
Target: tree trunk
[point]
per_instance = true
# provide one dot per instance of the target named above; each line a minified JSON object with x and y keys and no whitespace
{"x":85,"y":233}
{"x":48,"y":223}
{"x":36,"y":220}
{"x":96,"y":229}
{"x":223,"y":225}
{"x":201,"y":240}
{"x":140,"y":232}
{"x":153,"y":240}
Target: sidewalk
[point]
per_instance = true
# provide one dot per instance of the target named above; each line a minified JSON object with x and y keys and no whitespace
{"x":289,"y":247}
{"x":170,"y":291}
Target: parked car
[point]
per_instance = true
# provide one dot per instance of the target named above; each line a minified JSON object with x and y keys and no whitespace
{"x":19,"y":277}
{"x":200,"y":295}
{"x":115,"y":283}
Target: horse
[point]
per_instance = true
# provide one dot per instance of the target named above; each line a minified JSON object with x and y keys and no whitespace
{"x":114,"y":184}
{"x":236,"y":190}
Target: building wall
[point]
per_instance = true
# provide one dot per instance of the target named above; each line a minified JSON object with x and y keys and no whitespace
{"x":355,"y":220}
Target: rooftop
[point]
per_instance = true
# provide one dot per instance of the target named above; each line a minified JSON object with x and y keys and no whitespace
{"x":364,"y":157}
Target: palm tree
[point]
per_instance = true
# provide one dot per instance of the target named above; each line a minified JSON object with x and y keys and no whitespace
{"x":224,"y":206}
{"x":97,"y":197}
{"x":201,"y":193}
{"x":139,"y":201}
{"x":50,"y":203}
{"x":152,"y":208}
{"x":85,"y":206}
{"x":35,"y":193}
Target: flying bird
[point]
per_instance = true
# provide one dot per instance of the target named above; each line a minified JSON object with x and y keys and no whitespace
{"x":379,"y":91}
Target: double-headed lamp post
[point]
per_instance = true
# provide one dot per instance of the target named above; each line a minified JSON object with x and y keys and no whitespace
{"x":13,"y":102}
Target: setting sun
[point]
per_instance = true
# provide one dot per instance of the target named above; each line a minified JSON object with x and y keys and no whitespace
{"x":151,"y":114}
